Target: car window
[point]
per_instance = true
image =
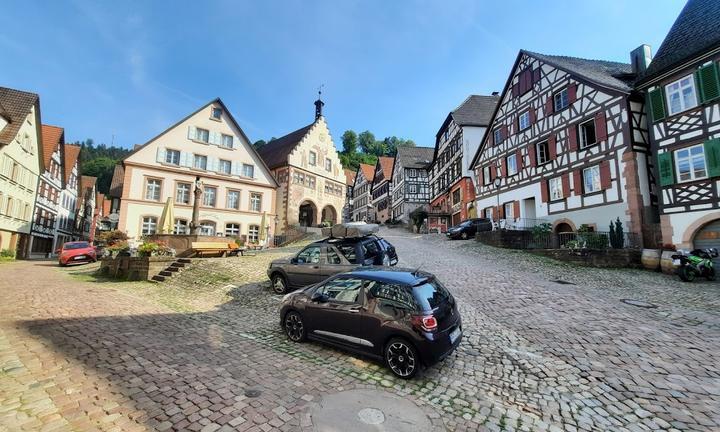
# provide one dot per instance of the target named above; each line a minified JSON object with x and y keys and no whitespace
{"x":343,"y":289}
{"x":309,"y":255}
{"x":80,"y":245}
{"x":333,"y":257}
{"x":393,"y":295}
{"x":348,"y":251}
{"x":371,"y":249}
{"x":430,"y":295}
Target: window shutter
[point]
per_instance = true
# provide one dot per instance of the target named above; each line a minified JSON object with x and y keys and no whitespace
{"x":665,"y":166}
{"x":533,"y":155}
{"x":519,"y":159}
{"x":503,"y":168}
{"x":605,"y":179}
{"x":491,"y":138}
{"x":531,"y":111}
{"x":515,"y":90}
{"x":544,"y":186}
{"x":707,"y":78}
{"x":501,"y":211}
{"x":191,"y":132}
{"x":572,"y":137}
{"x":160,"y":154}
{"x":504,"y":132}
{"x":552,"y":147}
{"x":536,"y":75}
{"x":549,"y":106}
{"x":516,"y":209}
{"x":572,"y":93}
{"x":566,"y":185}
{"x":183,"y":159}
{"x":712,"y":157}
{"x":656,"y":99}
{"x":600,"y":126}
{"x":577,"y":182}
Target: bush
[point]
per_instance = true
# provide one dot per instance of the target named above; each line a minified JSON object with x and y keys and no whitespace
{"x":155,"y":248}
{"x":617,"y":236}
{"x":539,"y":230}
{"x":112,"y":237}
{"x":595,"y":241}
{"x":7,"y":253}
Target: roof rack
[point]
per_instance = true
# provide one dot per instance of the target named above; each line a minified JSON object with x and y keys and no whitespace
{"x":350,"y":230}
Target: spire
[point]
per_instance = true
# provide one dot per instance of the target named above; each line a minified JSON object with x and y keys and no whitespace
{"x":319,"y":103}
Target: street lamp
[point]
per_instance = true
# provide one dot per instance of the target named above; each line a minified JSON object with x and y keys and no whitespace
{"x":497,"y":182}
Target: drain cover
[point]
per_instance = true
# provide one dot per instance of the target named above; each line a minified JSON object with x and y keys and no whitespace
{"x":562,"y":282}
{"x":638,"y":303}
{"x":252,"y":393}
{"x":371,"y":416}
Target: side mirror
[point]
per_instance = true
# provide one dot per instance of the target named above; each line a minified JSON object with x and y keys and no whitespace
{"x":319,"y":297}
{"x":293,"y":260}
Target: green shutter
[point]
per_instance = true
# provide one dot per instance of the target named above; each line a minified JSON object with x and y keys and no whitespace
{"x":665,"y":165}
{"x":712,"y":157}
{"x":657,"y":104}
{"x":707,"y":79}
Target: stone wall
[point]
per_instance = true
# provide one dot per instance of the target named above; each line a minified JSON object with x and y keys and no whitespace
{"x":134,"y":268}
{"x":609,"y":258}
{"x":181,"y":243}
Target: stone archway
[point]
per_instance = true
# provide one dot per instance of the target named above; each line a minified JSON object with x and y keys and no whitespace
{"x":563,"y":226}
{"x":307,"y":214}
{"x":329,"y":214}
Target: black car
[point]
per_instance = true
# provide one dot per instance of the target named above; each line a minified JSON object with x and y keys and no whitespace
{"x":324,"y":258}
{"x":405,"y":317}
{"x":467,"y":229}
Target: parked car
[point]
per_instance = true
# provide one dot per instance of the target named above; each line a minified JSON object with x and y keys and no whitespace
{"x":76,"y":252}
{"x":404,"y":317}
{"x":324,"y":258}
{"x":467,"y":229}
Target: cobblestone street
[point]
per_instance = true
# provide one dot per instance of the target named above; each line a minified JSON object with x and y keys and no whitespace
{"x":204,"y":351}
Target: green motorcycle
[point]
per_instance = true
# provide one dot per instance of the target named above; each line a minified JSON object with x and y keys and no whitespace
{"x":698,"y":263}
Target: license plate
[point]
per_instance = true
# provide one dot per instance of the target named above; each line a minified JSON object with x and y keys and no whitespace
{"x":676,"y":262}
{"x":455,"y":334}
{"x":79,"y":257}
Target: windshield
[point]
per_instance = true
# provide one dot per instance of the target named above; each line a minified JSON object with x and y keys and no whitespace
{"x":78,"y":245}
{"x":465,"y":224}
{"x":430,"y":295}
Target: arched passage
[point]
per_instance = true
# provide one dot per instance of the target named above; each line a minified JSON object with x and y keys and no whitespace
{"x":329,"y":214}
{"x":307,"y":214}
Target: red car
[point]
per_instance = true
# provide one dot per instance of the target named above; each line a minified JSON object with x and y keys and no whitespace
{"x":77,"y":252}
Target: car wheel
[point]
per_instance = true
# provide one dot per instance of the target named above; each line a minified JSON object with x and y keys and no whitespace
{"x":294,"y":327}
{"x":464,"y":236}
{"x":402,"y":358}
{"x":386,"y":260}
{"x":279,"y":284}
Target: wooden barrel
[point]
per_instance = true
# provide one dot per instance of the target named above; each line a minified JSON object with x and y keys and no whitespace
{"x":651,"y":259}
{"x":666,"y":264}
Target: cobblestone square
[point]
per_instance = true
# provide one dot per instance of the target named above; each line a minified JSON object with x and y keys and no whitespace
{"x":203,"y":352}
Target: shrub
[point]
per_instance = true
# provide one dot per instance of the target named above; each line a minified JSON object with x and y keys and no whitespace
{"x":7,"y":253}
{"x":112,"y":237}
{"x":595,"y":241}
{"x":617,"y":235}
{"x":155,"y":248}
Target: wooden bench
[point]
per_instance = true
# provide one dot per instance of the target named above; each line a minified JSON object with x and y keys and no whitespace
{"x":216,"y":248}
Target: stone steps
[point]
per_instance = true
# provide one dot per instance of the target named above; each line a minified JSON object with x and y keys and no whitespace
{"x":174,"y":268}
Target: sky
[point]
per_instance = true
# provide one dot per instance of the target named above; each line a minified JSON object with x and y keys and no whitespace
{"x":122,"y":72}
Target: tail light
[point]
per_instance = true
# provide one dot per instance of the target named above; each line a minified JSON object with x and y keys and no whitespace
{"x":424,"y":322}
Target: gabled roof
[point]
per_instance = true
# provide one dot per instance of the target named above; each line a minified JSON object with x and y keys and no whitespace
{"x":72,"y":153}
{"x":476,"y":110}
{"x":414,"y":157}
{"x":368,"y":171}
{"x":349,"y":177}
{"x":16,"y":106}
{"x":116,"y":184}
{"x":695,"y":32}
{"x":613,"y":75}
{"x":51,"y":137}
{"x":87,"y":182}
{"x":386,"y":165}
{"x":275,"y":153}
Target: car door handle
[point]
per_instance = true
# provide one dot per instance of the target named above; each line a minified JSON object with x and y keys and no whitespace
{"x":316,"y":267}
{"x":354,"y":310}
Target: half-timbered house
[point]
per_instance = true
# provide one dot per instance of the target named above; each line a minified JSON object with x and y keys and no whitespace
{"x":452,"y":193}
{"x":362,"y":206}
{"x":683,"y":91}
{"x":381,"y":189}
{"x":349,"y":183}
{"x":567,"y":145}
{"x":410,"y":185}
{"x":67,"y":207}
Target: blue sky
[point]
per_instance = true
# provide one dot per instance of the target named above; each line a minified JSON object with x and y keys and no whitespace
{"x":131,"y":69}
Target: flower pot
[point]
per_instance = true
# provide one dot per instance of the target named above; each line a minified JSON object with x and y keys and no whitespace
{"x":666,"y":264}
{"x":651,"y":259}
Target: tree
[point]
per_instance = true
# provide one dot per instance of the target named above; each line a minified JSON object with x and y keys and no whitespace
{"x":102,"y":168}
{"x":366,"y":141}
{"x":350,"y":142}
{"x":258,"y":144}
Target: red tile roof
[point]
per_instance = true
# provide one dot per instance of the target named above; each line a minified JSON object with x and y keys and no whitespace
{"x":368,"y":171}
{"x":349,"y":177}
{"x":386,"y":163}
{"x":51,"y":137}
{"x":72,"y":153}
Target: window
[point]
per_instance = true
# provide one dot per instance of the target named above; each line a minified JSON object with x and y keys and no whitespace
{"x":209,"y":196}
{"x":254,"y":236}
{"x":413,"y":188}
{"x":345,"y":290}
{"x":497,"y":135}
{"x":456,"y":196}
{"x":524,"y":120}
{"x":333,"y":257}
{"x":690,"y":163}
{"x":216,"y":113}
{"x":255,"y":201}
{"x":556,"y":189}
{"x":200,"y":162}
{"x":181,"y":227}
{"x":311,"y":182}
{"x":447,"y":134}
{"x":542,"y":152}
{"x":149,"y":225}
{"x":509,"y":210}
{"x":591,"y":179}
{"x":227,"y":141}
{"x":486,"y":175}
{"x":313,"y":158}
{"x":248,"y":171}
{"x":348,"y":251}
{"x":172,"y":157}
{"x":328,"y":164}
{"x":586,"y":134}
{"x":232,"y":230}
{"x":207,"y":228}
{"x":489,"y":213}
{"x":182,"y":193}
{"x":225,"y":166}
{"x":152,"y":189}
{"x":561,"y":100}
{"x":202,"y":135}
{"x":511,"y":164}
{"x":412,"y":173}
{"x":681,"y":95}
{"x":393,"y":296}
{"x":233,"y":200}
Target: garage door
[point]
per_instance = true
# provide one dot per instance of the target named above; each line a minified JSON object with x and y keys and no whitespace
{"x":707,"y":237}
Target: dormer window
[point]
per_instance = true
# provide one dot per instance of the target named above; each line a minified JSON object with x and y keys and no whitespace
{"x":216,"y":113}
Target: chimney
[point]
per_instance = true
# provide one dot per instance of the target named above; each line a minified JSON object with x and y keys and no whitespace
{"x":495,"y":93}
{"x":640,"y":58}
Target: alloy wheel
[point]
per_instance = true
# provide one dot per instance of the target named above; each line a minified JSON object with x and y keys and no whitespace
{"x":401,"y":359}
{"x":279,"y":285}
{"x":294,"y":327}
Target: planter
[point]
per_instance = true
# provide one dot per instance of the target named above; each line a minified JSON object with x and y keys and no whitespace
{"x":651,"y":259}
{"x":666,"y":264}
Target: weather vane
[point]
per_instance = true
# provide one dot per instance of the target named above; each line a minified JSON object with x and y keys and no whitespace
{"x":320,"y":90}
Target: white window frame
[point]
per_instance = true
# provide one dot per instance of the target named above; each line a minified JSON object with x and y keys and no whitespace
{"x":556,"y":189}
{"x":148,"y":225}
{"x":232,"y":229}
{"x":172,"y":157}
{"x":512,"y":169}
{"x":328,"y":164}
{"x":511,"y":213}
{"x":594,"y":185}
{"x":208,"y":228}
{"x":497,"y":135}
{"x":253,"y":233}
{"x":248,"y":169}
{"x":255,"y":201}
{"x":524,"y":120}
{"x":205,"y":196}
{"x":562,"y":98}
{"x":545,"y":145}
{"x":582,"y":134}
{"x":202,"y":135}
{"x":312,"y":158}
{"x":178,"y":225}
{"x":225,"y":166}
{"x":237,"y":200}
{"x":690,"y":159}
{"x":227,"y":141}
{"x":203,"y":158}
{"x":683,"y":105}
{"x":152,"y":190}
{"x":216,"y":110}
{"x":179,"y":193}
{"x":486,"y":175}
